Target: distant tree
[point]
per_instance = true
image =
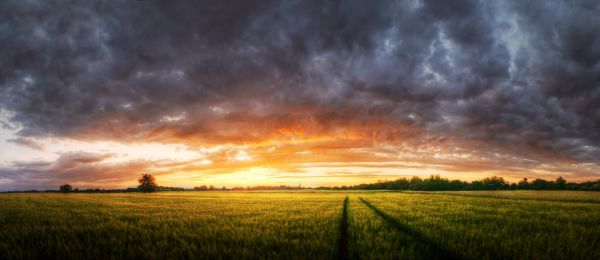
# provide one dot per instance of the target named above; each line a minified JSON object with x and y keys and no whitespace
{"x":147,"y":183}
{"x":66,"y":188}
{"x":458,"y":185}
{"x":435,"y":182}
{"x":523,"y":184}
{"x":561,"y":183}
{"x":477,"y":185}
{"x":540,"y":184}
{"x":201,"y":188}
{"x":495,"y":183}
{"x":415,"y":183}
{"x":399,"y":184}
{"x":595,"y":186}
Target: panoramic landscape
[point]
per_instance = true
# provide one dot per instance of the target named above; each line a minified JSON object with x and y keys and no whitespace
{"x":270,"y":129}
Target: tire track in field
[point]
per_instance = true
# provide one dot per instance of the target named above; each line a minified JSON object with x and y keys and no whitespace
{"x":439,"y":249}
{"x":343,"y":240}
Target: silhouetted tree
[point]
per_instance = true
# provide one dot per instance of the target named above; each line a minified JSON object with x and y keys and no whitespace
{"x":65,"y":188}
{"x":435,"y":182}
{"x":540,"y":184}
{"x":477,"y":185}
{"x":147,"y":183}
{"x":561,"y":183}
{"x":495,"y":183}
{"x":595,"y":186}
{"x":415,"y":183}
{"x":523,"y":184}
{"x":201,"y":188}
{"x":458,"y":185}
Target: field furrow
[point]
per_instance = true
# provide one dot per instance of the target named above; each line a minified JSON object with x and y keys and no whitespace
{"x":343,"y":241}
{"x":371,"y":237}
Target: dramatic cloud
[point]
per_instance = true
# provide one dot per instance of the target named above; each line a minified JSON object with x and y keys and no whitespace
{"x":82,"y":169}
{"x":27,"y":142}
{"x":513,"y":82}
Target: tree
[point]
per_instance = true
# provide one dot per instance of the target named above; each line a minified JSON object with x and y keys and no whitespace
{"x":415,"y":183}
{"x":523,"y":184}
{"x":540,"y":184}
{"x":477,"y":185}
{"x":147,"y":183}
{"x":66,"y":188}
{"x":561,"y":183}
{"x":495,"y":183}
{"x":201,"y":188}
{"x":458,"y":185}
{"x":435,"y":182}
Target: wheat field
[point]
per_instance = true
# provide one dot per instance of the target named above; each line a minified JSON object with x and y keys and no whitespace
{"x":302,"y":225}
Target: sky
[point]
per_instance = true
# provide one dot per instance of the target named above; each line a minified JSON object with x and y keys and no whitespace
{"x":311,"y":93}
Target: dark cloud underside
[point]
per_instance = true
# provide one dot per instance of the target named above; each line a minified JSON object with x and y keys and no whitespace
{"x":516,"y":73}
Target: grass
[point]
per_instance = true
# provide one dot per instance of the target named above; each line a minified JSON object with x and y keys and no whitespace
{"x":170,"y":225}
{"x":372,"y":237}
{"x":302,"y":225}
{"x":557,"y":195}
{"x":481,"y":227}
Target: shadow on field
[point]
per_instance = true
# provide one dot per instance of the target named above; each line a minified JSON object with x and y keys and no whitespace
{"x":439,"y":249}
{"x":343,"y":242}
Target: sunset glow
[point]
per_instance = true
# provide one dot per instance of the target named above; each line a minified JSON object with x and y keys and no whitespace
{"x":284,"y":93}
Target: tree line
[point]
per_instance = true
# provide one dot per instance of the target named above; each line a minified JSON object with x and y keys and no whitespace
{"x":437,"y":183}
{"x":147,"y":183}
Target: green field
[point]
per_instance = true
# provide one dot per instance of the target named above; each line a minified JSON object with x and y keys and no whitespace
{"x":307,"y":224}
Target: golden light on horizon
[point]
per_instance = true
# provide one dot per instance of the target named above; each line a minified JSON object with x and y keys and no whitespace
{"x":101,"y":98}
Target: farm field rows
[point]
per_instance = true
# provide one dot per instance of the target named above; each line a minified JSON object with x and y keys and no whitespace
{"x":302,"y":225}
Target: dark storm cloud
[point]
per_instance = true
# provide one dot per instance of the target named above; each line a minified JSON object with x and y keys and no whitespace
{"x":525,"y":73}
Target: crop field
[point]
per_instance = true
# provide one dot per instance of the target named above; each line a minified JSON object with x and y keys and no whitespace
{"x":302,"y":225}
